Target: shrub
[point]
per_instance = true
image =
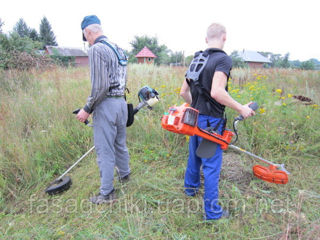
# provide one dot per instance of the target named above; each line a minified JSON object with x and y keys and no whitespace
{"x":20,"y":53}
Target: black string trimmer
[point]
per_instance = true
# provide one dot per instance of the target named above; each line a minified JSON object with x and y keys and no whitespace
{"x":183,"y":120}
{"x":147,"y":98}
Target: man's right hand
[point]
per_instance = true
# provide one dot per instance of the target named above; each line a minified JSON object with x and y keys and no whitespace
{"x":246,"y":111}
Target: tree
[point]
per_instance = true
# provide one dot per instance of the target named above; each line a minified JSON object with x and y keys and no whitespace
{"x":47,"y":36}
{"x":19,"y":52}
{"x":307,"y":65}
{"x":21,"y":28}
{"x":177,"y":58}
{"x":161,"y":51}
{"x":237,"y":61}
{"x":34,"y":35}
{"x":277,"y":61}
{"x":188,"y":60}
{"x":284,"y":63}
{"x":1,"y":24}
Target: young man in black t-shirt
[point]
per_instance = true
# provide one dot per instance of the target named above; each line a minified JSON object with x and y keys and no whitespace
{"x":214,"y":78}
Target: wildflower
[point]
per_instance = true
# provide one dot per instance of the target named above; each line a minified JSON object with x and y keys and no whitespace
{"x":163,"y":86}
{"x":279,"y":90}
{"x":251,"y":88}
{"x":289,"y":95}
{"x":308,"y":117}
{"x":235,"y":91}
{"x":315,"y":106}
{"x":284,"y":104}
{"x":60,"y":233}
{"x":283,"y":98}
{"x":262,"y":110}
{"x":187,"y":138}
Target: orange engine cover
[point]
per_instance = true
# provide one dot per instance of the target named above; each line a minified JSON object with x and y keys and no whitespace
{"x":184,"y":120}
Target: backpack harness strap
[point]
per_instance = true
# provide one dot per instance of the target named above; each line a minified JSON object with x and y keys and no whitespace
{"x":196,"y":67}
{"x":122,"y":58}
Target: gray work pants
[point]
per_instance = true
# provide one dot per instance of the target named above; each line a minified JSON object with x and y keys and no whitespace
{"x":110,"y":118}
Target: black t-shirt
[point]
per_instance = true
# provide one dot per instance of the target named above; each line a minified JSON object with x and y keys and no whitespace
{"x":218,"y":61}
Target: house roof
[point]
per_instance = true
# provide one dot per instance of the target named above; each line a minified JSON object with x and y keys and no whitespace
{"x":252,"y":56}
{"x":146,"y":52}
{"x":68,"y":52}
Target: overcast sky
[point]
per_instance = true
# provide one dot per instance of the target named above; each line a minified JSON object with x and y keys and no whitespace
{"x":277,"y":26}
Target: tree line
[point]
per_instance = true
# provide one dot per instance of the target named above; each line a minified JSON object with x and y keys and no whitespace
{"x":278,"y":61}
{"x":23,"y":44}
{"x":21,"y":48}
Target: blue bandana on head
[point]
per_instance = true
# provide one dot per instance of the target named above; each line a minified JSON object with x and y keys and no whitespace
{"x":88,"y":20}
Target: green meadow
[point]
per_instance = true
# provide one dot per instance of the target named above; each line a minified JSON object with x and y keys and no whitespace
{"x":40,"y":138}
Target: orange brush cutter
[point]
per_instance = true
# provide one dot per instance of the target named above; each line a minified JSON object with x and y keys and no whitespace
{"x":184,"y":120}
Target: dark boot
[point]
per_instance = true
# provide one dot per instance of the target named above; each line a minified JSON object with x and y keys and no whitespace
{"x":100,"y":198}
{"x":124,"y":179}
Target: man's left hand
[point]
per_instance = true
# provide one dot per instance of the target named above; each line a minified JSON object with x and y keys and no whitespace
{"x":82,"y":116}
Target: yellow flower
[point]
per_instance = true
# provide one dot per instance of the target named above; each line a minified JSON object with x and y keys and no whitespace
{"x":262,"y":110}
{"x":279,"y":90}
{"x":283,"y":98}
{"x":235,"y":91}
{"x":187,"y":138}
{"x":163,"y":86}
{"x":289,"y":95}
{"x":284,"y":104}
{"x":308,"y":117}
{"x":315,"y":106}
{"x":60,"y":233}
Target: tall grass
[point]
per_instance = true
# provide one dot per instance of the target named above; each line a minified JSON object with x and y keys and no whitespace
{"x":40,"y":138}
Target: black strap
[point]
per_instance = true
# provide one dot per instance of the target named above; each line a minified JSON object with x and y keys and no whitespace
{"x":214,"y":129}
{"x":122,"y":61}
{"x":196,"y":67}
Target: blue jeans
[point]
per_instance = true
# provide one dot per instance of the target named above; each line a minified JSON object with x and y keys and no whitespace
{"x":211,"y":171}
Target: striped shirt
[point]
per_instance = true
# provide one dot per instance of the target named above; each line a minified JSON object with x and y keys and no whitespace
{"x":108,"y":77}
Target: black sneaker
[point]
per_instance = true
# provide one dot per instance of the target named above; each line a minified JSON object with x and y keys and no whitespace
{"x":124,"y":179}
{"x":100,"y":198}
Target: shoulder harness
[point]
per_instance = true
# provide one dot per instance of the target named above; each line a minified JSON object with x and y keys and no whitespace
{"x":122,"y":57}
{"x":196,"y":67}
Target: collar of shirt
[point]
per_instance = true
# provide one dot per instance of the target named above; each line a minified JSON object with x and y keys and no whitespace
{"x":98,"y":39}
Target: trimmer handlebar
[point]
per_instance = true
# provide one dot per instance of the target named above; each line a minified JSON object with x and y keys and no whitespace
{"x":254,"y":106}
{"x":76,"y":112}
